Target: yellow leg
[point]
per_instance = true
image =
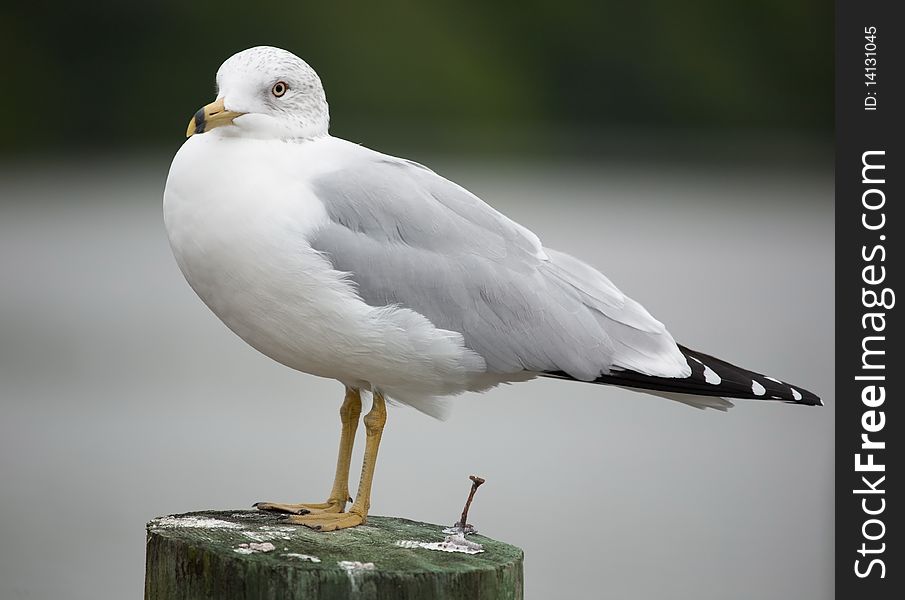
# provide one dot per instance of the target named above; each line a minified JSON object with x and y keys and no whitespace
{"x":336,"y":503}
{"x":358,"y":513}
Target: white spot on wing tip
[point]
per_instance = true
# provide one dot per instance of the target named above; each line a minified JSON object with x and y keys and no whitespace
{"x":710,"y":375}
{"x":757,"y":388}
{"x":795,"y":393}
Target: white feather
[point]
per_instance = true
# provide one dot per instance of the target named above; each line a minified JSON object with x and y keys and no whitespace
{"x":297,"y":241}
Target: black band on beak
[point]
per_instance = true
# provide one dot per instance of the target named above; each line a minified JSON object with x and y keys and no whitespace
{"x":199,"y":121}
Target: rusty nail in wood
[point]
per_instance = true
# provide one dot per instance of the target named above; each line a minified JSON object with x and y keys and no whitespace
{"x":476,"y":483}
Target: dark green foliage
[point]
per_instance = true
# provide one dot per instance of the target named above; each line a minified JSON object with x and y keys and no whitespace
{"x":451,"y":75}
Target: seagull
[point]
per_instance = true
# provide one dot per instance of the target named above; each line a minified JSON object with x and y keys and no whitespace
{"x":345,"y":263}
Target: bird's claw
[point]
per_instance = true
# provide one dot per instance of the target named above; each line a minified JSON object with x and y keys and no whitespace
{"x":331,"y":506}
{"x":328,"y":521}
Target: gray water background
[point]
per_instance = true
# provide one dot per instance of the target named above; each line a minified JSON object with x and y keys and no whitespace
{"x":123,"y":398}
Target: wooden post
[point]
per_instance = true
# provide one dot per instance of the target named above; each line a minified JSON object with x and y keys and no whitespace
{"x":251,"y":555}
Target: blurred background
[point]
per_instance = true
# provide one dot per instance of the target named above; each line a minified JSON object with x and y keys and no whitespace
{"x":684,"y":149}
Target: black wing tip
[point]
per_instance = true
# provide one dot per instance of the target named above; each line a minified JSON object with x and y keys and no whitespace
{"x":711,"y":376}
{"x":808,"y":399}
{"x":746,"y":384}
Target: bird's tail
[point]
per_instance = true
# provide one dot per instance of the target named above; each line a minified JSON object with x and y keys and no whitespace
{"x":710,"y":381}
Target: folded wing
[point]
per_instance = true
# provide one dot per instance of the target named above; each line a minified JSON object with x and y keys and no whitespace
{"x":408,"y":237}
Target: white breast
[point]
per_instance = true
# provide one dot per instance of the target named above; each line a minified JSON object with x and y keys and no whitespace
{"x":238,"y":213}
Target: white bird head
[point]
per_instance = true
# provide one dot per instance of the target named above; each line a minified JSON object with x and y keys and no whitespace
{"x":265,"y":92}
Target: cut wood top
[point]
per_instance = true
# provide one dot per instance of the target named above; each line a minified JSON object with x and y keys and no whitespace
{"x":384,"y":545}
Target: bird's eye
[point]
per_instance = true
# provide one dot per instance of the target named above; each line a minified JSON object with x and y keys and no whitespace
{"x":279,"y":88}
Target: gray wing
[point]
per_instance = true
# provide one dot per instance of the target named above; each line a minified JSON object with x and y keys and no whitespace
{"x":408,"y":237}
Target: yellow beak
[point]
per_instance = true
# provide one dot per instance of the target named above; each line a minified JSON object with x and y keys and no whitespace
{"x":212,"y":115}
